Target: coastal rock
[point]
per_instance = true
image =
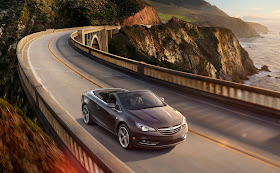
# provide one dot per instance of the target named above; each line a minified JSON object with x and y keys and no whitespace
{"x":208,"y":51}
{"x":265,"y":68}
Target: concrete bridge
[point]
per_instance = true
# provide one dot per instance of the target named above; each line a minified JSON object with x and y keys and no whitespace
{"x":233,"y":127}
{"x":97,"y":37}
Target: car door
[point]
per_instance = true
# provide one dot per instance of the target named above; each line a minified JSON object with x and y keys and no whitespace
{"x":94,"y":110}
{"x":101,"y":113}
{"x":112,"y":118}
{"x":109,"y":115}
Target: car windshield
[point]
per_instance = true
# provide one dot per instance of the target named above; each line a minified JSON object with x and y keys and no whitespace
{"x":139,"y":100}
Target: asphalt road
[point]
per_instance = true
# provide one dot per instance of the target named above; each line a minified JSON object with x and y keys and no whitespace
{"x":217,"y":122}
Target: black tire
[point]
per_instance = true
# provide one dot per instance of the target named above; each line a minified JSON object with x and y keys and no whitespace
{"x":125,"y":142}
{"x":86,"y":115}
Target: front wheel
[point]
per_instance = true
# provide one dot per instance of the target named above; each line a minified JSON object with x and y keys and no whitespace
{"x":86,"y":115}
{"x":124,"y":137}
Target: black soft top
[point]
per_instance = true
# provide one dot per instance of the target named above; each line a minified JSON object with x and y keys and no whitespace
{"x":104,"y":93}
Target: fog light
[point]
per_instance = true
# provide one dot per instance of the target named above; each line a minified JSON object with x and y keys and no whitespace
{"x":146,"y":142}
{"x":185,"y":136}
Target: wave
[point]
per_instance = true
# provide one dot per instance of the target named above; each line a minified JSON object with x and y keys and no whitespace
{"x":264,"y":51}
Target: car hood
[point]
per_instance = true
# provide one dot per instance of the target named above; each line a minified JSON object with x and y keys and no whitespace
{"x":158,"y":116}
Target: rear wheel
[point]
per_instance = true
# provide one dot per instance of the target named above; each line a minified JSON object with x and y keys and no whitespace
{"x":124,"y":137}
{"x":86,"y":115}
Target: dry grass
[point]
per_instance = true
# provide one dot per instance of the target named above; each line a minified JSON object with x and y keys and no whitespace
{"x":24,"y":147}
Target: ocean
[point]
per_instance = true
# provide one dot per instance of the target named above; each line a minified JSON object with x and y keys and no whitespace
{"x":265,"y":51}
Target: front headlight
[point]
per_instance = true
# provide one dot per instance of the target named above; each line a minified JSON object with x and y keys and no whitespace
{"x":144,"y":128}
{"x":184,"y":121}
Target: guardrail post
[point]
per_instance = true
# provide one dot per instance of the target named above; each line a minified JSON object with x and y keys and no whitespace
{"x":258,"y":99}
{"x":236,"y":93}
{"x":188,"y":82}
{"x":231,"y":92}
{"x":243,"y":95}
{"x":224,"y":91}
{"x":191,"y":83}
{"x":275,"y":102}
{"x":250,"y":96}
{"x":140,"y":68}
{"x":217,"y":90}
{"x":214,"y":88}
{"x":199,"y":85}
{"x":205,"y":86}
{"x":194,"y":83}
{"x":253,"y":97}
{"x":267,"y":101}
{"x":211,"y":87}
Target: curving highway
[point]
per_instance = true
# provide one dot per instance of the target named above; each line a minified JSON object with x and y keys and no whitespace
{"x":223,"y":138}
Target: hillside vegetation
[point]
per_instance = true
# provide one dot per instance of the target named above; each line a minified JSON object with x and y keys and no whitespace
{"x":19,"y":18}
{"x":200,"y":5}
{"x":24,"y":147}
{"x":204,"y":14}
{"x":96,"y":12}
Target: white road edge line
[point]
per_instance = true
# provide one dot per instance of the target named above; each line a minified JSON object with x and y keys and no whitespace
{"x":37,"y":76}
{"x":39,"y":80}
{"x":30,"y":64}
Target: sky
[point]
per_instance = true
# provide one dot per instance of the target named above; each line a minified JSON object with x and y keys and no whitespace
{"x":239,"y":8}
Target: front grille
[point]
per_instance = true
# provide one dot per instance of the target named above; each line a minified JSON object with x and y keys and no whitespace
{"x":170,"y":130}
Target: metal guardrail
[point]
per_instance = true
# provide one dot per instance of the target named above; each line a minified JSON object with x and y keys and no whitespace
{"x":235,"y":91}
{"x":87,"y":150}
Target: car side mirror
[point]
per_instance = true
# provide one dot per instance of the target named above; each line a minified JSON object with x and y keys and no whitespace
{"x":111,"y":105}
{"x":162,"y":99}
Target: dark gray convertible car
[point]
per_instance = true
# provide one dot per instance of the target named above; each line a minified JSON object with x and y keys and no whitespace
{"x":138,"y":118}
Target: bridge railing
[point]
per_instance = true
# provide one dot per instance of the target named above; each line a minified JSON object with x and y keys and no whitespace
{"x":215,"y":87}
{"x":86,"y":149}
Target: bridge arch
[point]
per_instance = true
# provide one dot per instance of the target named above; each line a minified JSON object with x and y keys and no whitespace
{"x":95,"y":42}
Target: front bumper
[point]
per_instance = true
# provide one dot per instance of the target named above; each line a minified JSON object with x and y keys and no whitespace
{"x":158,"y":140}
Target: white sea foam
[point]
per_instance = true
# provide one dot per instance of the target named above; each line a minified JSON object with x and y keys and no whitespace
{"x":265,"y":51}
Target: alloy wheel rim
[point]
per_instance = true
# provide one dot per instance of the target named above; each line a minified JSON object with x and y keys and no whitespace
{"x":86,"y":114}
{"x":123,"y":137}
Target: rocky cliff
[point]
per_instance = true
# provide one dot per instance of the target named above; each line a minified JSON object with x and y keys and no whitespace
{"x":237,"y":26}
{"x":203,"y":13}
{"x":194,"y":4}
{"x":258,"y":27}
{"x":24,"y":147}
{"x":147,"y":16}
{"x":208,"y":51}
{"x":96,"y":12}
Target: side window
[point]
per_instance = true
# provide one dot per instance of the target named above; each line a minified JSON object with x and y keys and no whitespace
{"x":112,"y":99}
{"x":118,"y":106}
